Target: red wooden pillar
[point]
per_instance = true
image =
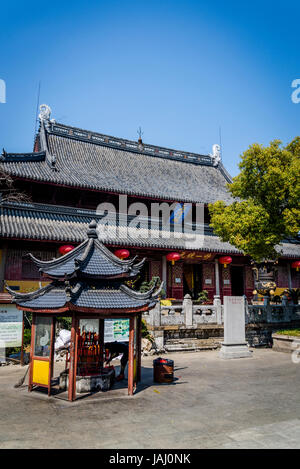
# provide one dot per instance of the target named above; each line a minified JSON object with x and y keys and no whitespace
{"x":139,"y":347}
{"x":131,"y":357}
{"x":31,"y":352}
{"x":73,"y":360}
{"x":22,"y":345}
{"x":51,"y":357}
{"x":101,"y":340}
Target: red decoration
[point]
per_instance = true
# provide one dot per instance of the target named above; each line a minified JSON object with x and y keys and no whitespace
{"x":225,"y":260}
{"x":65,"y":249}
{"x":296,"y":265}
{"x":173,"y":256}
{"x":122,"y":253}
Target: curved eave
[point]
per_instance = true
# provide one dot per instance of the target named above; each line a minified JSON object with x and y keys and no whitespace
{"x":72,"y":308}
{"x":59,"y":260}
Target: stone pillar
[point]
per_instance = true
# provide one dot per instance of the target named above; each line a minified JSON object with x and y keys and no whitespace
{"x":154,"y":314}
{"x":217,"y":277}
{"x":159,"y":340}
{"x":218,"y":304}
{"x":234,"y":345}
{"x":188,"y":310}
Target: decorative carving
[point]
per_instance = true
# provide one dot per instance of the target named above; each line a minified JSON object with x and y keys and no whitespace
{"x":45,"y":113}
{"x":265,"y":272}
{"x":216,"y":154}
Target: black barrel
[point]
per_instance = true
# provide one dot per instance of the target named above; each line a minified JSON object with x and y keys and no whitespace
{"x":163,"y":370}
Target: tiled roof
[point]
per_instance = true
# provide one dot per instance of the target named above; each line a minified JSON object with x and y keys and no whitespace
{"x":90,"y":259}
{"x":83,"y":159}
{"x":94,"y":281}
{"x":83,"y":295}
{"x":67,"y":224}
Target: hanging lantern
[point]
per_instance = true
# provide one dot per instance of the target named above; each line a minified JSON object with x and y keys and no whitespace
{"x":65,"y":249}
{"x":225,"y":260}
{"x":122,"y":253}
{"x":296,"y":265}
{"x":173,"y":256}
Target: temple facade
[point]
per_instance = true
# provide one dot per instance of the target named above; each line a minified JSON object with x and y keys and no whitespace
{"x":74,"y":176}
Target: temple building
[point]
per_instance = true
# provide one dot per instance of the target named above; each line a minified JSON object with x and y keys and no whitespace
{"x":71,"y":172}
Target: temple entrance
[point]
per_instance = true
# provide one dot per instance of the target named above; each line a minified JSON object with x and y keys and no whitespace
{"x":192,"y":280}
{"x":237,"y":280}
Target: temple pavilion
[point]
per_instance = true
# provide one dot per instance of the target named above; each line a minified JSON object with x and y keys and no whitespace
{"x":87,"y":283}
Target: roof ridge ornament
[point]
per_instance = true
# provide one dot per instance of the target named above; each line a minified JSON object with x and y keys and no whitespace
{"x":45,"y":113}
{"x":216,"y":154}
{"x":92,"y":231}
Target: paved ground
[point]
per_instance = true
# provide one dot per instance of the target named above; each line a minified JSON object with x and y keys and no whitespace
{"x":245,"y":403}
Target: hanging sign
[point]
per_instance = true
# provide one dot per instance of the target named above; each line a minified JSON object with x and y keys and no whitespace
{"x":11,"y":320}
{"x":195,"y":255}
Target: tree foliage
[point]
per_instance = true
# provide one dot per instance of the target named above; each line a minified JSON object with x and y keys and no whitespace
{"x":266,"y":196}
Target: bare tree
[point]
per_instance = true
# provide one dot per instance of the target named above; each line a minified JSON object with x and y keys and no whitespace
{"x":8,"y":193}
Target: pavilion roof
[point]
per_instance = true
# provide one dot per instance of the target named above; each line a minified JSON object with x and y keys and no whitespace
{"x":87,"y":278}
{"x":84,"y":295}
{"x":90,"y":259}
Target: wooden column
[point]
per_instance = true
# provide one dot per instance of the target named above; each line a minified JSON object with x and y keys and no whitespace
{"x":22,"y":345}
{"x":217,"y":277}
{"x":51,"y":364}
{"x":101,"y":339}
{"x":131,"y":356}
{"x":73,"y":360}
{"x":139,"y":347}
{"x":31,"y":352}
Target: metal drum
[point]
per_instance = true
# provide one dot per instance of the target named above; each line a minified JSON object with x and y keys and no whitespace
{"x":163,"y":370}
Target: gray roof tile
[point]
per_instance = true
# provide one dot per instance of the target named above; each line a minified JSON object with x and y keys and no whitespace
{"x":67,"y":224}
{"x":120,"y":167}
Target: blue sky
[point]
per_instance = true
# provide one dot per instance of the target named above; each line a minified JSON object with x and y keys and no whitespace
{"x":179,"y":69}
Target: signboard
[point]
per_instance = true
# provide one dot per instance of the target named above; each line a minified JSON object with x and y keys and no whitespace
{"x":116,"y":330}
{"x":11,"y":320}
{"x":196,"y":255}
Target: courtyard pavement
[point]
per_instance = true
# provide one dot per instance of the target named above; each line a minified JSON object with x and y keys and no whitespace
{"x":213,"y":403}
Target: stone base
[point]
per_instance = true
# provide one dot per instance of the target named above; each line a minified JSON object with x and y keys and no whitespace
{"x":285,"y":343}
{"x":93,"y":383}
{"x":235,"y":351}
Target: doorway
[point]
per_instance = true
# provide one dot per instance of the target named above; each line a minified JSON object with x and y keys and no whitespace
{"x":192,"y":280}
{"x":237,"y":280}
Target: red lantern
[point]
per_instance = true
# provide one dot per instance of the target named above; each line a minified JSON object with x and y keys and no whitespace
{"x":173,"y":256}
{"x":122,"y":253}
{"x":296,"y":265}
{"x":65,"y":249}
{"x":225,"y":260}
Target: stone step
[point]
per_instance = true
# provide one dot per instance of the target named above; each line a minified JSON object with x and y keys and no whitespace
{"x":191,"y":345}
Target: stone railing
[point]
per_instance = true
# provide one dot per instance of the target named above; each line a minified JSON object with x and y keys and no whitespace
{"x":189,"y":314}
{"x":186,"y":314}
{"x":269,"y":313}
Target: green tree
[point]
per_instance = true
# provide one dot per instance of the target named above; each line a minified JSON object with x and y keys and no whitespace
{"x":266,"y":196}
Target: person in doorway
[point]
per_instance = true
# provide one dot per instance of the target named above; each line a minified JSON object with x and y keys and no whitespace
{"x":116,"y":349}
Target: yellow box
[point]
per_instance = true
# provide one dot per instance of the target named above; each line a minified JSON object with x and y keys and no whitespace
{"x":40,"y":373}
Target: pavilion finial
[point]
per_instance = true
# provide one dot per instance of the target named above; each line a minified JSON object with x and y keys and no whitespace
{"x":92,"y":232}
